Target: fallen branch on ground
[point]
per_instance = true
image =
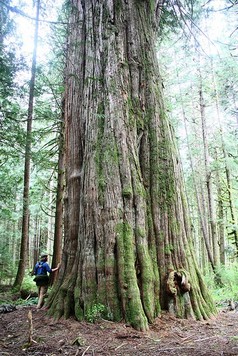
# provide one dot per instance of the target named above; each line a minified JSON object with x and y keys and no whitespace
{"x":30,"y":338}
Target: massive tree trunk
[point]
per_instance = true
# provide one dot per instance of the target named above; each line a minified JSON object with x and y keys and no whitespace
{"x":127,"y":235}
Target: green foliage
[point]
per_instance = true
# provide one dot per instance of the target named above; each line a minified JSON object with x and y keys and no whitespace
{"x":14,"y":96}
{"x":177,"y":15}
{"x":26,"y":302}
{"x":95,"y":312}
{"x":8,"y":298}
{"x":229,"y":283}
{"x":7,"y":266}
{"x":189,"y":66}
{"x":9,"y":63}
{"x":28,"y":284}
{"x":10,"y":295}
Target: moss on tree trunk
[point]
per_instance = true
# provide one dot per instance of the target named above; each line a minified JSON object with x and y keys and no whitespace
{"x":126,"y":224}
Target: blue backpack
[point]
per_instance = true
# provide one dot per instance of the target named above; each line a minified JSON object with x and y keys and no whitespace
{"x":41,"y":277}
{"x":40,"y":269}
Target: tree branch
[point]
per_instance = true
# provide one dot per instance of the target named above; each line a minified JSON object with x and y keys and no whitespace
{"x":16,"y":10}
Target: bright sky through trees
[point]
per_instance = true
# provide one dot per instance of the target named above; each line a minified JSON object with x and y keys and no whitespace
{"x":25,"y":26}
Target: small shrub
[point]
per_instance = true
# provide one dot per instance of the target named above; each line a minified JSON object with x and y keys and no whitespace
{"x":28,"y":284}
{"x":95,"y":313}
{"x":26,"y":302}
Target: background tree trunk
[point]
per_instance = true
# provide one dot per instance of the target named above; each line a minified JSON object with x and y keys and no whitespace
{"x":58,"y":233}
{"x":212,"y":220}
{"x":221,"y":219}
{"x":201,"y":215}
{"x":229,"y":187}
{"x":127,"y":234}
{"x":26,"y":214}
{"x":203,"y":224}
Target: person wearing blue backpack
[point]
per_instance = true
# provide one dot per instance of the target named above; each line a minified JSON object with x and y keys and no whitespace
{"x":42,"y":279}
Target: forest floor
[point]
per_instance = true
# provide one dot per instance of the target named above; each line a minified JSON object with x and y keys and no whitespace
{"x":168,"y":336}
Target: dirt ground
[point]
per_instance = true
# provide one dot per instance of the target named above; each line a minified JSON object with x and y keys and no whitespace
{"x":168,"y":336}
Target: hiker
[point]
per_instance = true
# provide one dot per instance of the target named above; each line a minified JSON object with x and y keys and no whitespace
{"x":42,"y":278}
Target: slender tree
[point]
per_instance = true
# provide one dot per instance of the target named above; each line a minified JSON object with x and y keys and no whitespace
{"x":25,"y":217}
{"x":229,"y":185}
{"x":204,"y":229}
{"x":201,"y":215}
{"x":220,"y":214}
{"x":218,"y":86}
{"x":11,"y":142}
{"x":208,"y":178}
{"x":58,"y":232}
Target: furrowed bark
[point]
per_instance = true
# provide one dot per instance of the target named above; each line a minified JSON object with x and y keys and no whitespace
{"x":126,"y":223}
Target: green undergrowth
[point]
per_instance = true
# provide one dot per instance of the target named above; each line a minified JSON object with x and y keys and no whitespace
{"x":95,"y":313}
{"x":26,"y":296}
{"x":26,"y":302}
{"x":227,"y":289}
{"x":28,"y":284}
{"x":11,"y":298}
